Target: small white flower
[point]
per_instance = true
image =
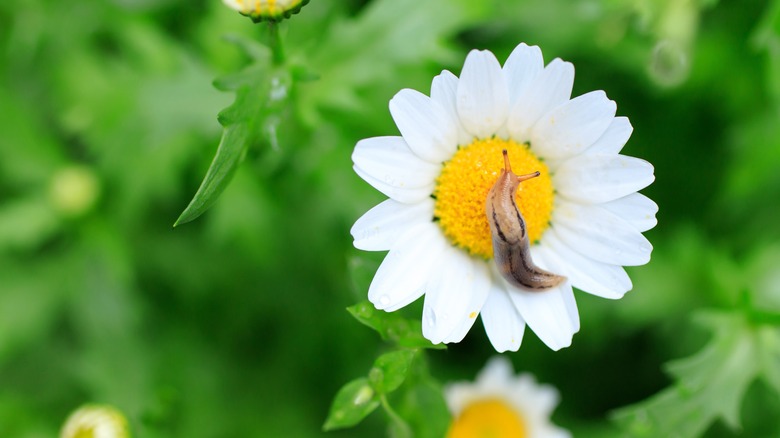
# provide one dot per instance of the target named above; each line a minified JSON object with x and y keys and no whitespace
{"x":500,"y":404}
{"x":272,"y":10}
{"x":95,"y":421}
{"x":583,"y":214}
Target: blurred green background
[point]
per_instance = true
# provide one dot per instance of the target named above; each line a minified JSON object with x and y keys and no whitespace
{"x":234,"y":324}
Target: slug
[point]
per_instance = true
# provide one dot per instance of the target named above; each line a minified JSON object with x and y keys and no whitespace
{"x":511,"y":248}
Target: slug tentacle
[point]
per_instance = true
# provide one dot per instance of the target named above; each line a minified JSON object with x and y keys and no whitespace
{"x":511,"y":248}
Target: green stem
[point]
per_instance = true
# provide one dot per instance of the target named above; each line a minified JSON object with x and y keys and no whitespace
{"x":275,"y":41}
{"x":404,"y":431}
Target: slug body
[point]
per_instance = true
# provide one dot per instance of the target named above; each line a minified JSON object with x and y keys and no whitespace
{"x":511,"y":248}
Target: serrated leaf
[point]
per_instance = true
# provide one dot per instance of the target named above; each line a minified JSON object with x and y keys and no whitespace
{"x":708,"y":385}
{"x":352,"y":404}
{"x":389,"y":370}
{"x":392,"y":326}
{"x":261,"y":93}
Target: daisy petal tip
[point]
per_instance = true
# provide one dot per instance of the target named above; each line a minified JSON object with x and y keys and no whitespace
{"x":565,"y":67}
{"x":558,"y":346}
{"x":524,"y":51}
{"x":425,"y":125}
{"x":511,"y":347}
{"x":377,"y":298}
{"x":445,"y":75}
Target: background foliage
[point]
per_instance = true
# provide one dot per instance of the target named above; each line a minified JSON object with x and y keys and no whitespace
{"x":235,"y":324}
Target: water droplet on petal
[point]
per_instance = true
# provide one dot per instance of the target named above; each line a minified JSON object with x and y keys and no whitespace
{"x":384,"y":301}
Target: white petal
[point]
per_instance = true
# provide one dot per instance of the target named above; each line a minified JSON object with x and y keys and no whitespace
{"x":389,"y":159}
{"x":599,"y":234}
{"x":458,"y":396}
{"x":237,"y":5}
{"x":483,"y":99}
{"x":424,"y":124}
{"x":548,"y":313}
{"x":614,"y":138}
{"x":444,"y":89}
{"x":551,"y":88}
{"x":503,"y":324}
{"x":636,"y":209}
{"x":554,"y":265}
{"x":572,"y":127}
{"x":460,"y":332}
{"x":379,"y":228}
{"x":553,"y":431}
{"x":598,"y":178}
{"x":522,"y":66}
{"x":536,"y":399}
{"x":458,"y":288}
{"x":403,"y":274}
{"x":586,"y":274}
{"x":475,"y":306}
{"x":407,"y":195}
{"x":497,"y":371}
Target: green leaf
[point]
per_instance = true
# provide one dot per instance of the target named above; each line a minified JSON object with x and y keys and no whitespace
{"x":767,"y":37}
{"x":392,"y":326}
{"x":26,"y":222}
{"x":374,"y":48}
{"x":261,"y":94}
{"x":708,"y":385}
{"x":41,"y":154}
{"x":352,"y":404}
{"x":389,"y":370}
{"x":769,"y":338}
{"x":29,"y":302}
{"x":230,"y":152}
{"x":423,"y":406}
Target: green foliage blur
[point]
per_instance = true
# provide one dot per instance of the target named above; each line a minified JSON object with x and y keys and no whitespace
{"x":235,"y":324}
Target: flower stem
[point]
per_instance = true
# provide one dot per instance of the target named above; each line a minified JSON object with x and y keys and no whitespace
{"x":404,"y":431}
{"x":275,"y":41}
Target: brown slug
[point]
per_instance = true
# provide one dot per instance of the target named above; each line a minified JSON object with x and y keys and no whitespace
{"x":511,"y":248}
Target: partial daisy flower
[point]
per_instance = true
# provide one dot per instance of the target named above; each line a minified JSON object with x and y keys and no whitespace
{"x":95,"y":421}
{"x":582,"y":214}
{"x":267,"y":10}
{"x":500,"y":404}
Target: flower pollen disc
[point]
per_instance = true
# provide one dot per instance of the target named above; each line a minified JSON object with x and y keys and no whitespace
{"x":464,"y":183}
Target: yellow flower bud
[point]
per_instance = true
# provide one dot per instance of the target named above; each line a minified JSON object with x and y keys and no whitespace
{"x":95,"y":421}
{"x":268,"y":10}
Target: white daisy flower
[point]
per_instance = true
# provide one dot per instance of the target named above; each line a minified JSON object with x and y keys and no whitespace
{"x":582,"y":214}
{"x":95,"y":421}
{"x":500,"y":404}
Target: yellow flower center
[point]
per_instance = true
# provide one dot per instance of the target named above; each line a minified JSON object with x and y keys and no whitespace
{"x":488,"y":419}
{"x":463,"y":185}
